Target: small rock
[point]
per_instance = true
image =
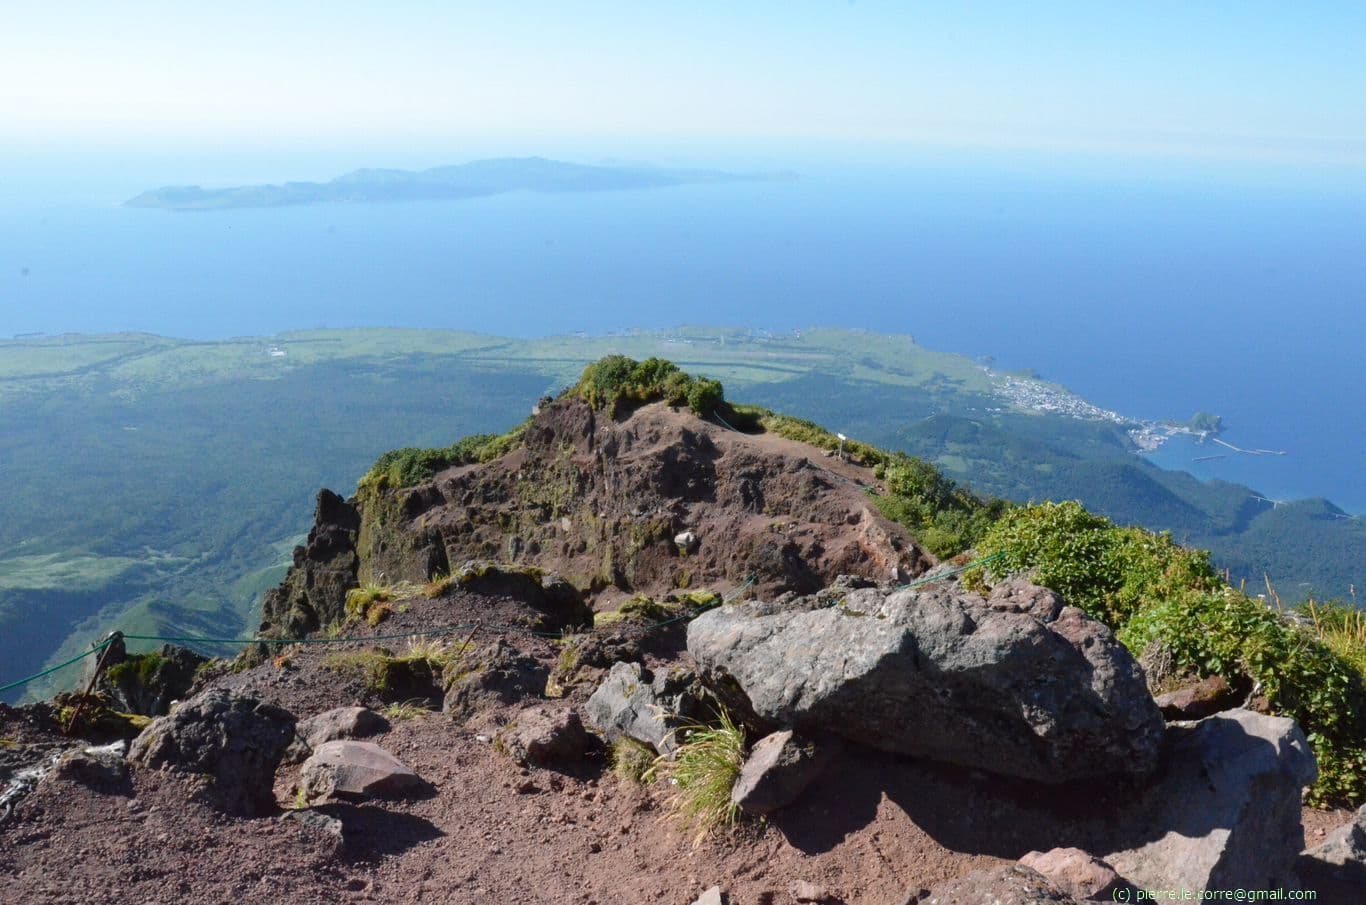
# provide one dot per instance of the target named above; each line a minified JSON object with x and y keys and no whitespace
{"x":1075,"y":872}
{"x":713,"y":896}
{"x":806,"y":891}
{"x":341,"y":723}
{"x":779,"y":768}
{"x":326,"y":828}
{"x":1224,"y":811}
{"x":355,"y":770}
{"x":686,"y":541}
{"x":1195,"y":702}
{"x":545,"y":735}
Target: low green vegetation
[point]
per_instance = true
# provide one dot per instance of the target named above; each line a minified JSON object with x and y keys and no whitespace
{"x":1161,"y":598}
{"x":386,"y":674}
{"x":400,"y":711}
{"x":754,"y":417}
{"x":369,"y":603}
{"x":631,"y":760}
{"x":943,"y":516}
{"x":138,"y":671}
{"x":412,"y":465}
{"x":702,"y":772}
{"x":1106,"y":570}
{"x":640,"y":608}
{"x":616,"y":384}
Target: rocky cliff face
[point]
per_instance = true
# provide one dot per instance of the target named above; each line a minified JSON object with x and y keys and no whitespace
{"x":313,"y":593}
{"x":654,"y":501}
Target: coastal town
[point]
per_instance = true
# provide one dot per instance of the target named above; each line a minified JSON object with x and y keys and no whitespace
{"x":1036,"y":395}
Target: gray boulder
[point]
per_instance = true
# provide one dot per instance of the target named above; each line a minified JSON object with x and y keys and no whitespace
{"x":1012,"y":884}
{"x":237,"y":741}
{"x":356,"y":771}
{"x":1016,"y":683}
{"x":635,"y":703}
{"x":1224,"y":812}
{"x":495,"y":677}
{"x":779,"y":768}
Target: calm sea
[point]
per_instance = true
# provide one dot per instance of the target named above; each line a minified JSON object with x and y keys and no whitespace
{"x":1153,"y":295}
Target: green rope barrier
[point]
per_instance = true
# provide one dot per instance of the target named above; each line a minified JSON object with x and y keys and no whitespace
{"x":445,"y":630}
{"x":50,"y":670}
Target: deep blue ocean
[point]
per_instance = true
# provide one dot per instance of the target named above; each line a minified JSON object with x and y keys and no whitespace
{"x":1151,"y":293}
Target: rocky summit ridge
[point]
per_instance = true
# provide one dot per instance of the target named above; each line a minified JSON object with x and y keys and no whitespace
{"x":489,"y":678}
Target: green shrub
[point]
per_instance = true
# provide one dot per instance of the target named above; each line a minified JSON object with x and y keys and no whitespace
{"x":1226,"y":633}
{"x":702,"y":772}
{"x":944,"y":517}
{"x":616,"y":384}
{"x":410,"y":466}
{"x":1105,"y":570}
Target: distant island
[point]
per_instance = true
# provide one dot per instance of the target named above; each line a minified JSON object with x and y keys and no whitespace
{"x":470,"y":180}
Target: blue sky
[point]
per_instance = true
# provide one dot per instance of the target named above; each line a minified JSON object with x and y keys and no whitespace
{"x":1225,"y":80}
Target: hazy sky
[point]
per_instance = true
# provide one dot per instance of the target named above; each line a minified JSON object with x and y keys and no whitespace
{"x":1239,"y":79}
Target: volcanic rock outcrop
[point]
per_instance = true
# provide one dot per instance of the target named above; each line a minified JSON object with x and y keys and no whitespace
{"x":603,"y":502}
{"x":1015,"y":683}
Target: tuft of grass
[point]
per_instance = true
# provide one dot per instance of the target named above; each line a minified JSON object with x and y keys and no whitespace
{"x":300,"y":800}
{"x":437,"y":587}
{"x":8,"y":744}
{"x":631,"y":760}
{"x":377,"y":613}
{"x":360,"y":600}
{"x":1341,"y":628}
{"x":640,"y":607}
{"x":406,"y":710}
{"x":702,"y":773}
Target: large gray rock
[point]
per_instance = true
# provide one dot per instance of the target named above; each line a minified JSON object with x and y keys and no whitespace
{"x":356,"y":771}
{"x":1017,"y":684}
{"x":649,"y":707}
{"x":1224,"y":812}
{"x":1010,"y":885}
{"x":779,"y":768}
{"x":238,"y":741}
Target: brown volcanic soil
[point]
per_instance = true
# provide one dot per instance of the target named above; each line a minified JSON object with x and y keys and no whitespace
{"x":872,"y":829}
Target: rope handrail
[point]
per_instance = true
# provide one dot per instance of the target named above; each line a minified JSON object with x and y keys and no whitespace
{"x":352,"y":639}
{"x":444,"y":630}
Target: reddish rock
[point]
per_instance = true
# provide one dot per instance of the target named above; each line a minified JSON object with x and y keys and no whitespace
{"x":1075,"y":872}
{"x":355,"y":770}
{"x":1195,"y":702}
